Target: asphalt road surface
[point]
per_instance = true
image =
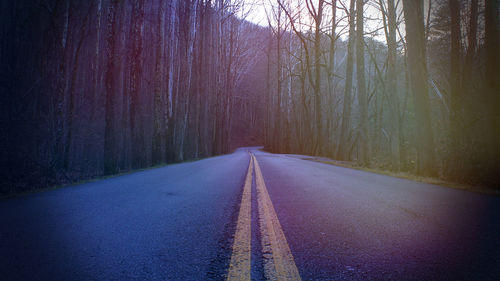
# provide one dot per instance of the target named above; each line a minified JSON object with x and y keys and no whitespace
{"x":179,"y":222}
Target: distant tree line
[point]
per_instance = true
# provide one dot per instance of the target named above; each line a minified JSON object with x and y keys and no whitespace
{"x":399,"y":85}
{"x":100,"y":87}
{"x":92,"y":88}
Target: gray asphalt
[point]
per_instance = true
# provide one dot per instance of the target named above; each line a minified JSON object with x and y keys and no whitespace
{"x":168,"y":223}
{"x":176,"y":223}
{"x":345,"y":224}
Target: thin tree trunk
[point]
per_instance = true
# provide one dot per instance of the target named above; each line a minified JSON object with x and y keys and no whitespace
{"x":391,"y":85}
{"x":110,"y":142}
{"x":71,"y":94}
{"x":492,"y":85}
{"x":277,"y":139}
{"x":360,"y":71}
{"x":137,"y":133}
{"x":331,"y":69}
{"x":318,"y":146}
{"x":455,"y":94}
{"x":346,"y":114}
{"x":159,"y":103}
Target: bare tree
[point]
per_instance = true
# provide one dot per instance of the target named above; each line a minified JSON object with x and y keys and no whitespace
{"x":342,"y":151}
{"x":492,"y":68}
{"x":391,"y":84}
{"x":455,"y":93}
{"x":110,"y":134}
{"x":415,"y":36}
{"x":364,"y":157}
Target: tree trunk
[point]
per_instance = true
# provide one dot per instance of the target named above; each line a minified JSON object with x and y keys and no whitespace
{"x":391,"y":85}
{"x":414,"y":20}
{"x":137,"y":131}
{"x":346,"y":114}
{"x":159,"y":103}
{"x":277,"y":127}
{"x":455,"y":93}
{"x":492,"y":46}
{"x":110,"y":134}
{"x":360,"y":71}
{"x":332,"y":143}
{"x":318,"y":146}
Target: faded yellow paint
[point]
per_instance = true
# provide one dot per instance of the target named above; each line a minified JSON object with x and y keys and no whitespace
{"x":278,"y":259}
{"x":239,"y":268}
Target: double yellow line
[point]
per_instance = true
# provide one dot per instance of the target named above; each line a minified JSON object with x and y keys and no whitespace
{"x":278,"y":260}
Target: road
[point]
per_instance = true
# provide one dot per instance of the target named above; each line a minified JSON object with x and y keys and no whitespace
{"x":254,"y":214}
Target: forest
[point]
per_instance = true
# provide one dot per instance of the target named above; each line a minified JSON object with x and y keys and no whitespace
{"x":397,"y":85}
{"x":101,"y":87}
{"x":92,"y":88}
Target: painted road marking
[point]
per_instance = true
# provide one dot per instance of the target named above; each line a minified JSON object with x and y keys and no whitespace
{"x":239,"y":268}
{"x":278,"y":259}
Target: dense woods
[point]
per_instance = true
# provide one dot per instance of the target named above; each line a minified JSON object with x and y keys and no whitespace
{"x":91,"y":88}
{"x":397,"y":85}
{"x":99,"y":87}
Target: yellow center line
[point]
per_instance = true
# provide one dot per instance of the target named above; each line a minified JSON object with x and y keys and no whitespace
{"x":278,"y":259}
{"x":239,"y":268}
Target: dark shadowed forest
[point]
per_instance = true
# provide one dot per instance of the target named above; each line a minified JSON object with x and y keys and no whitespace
{"x":92,"y":88}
